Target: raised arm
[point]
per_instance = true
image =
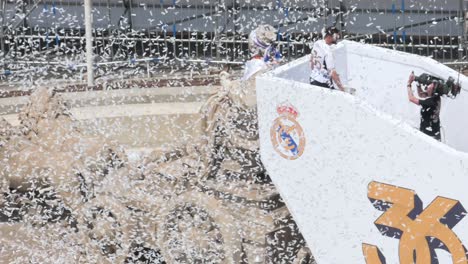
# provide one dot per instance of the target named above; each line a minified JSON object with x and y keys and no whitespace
{"x":411,"y":96}
{"x":330,"y":60}
{"x":312,"y":59}
{"x":336,"y":79}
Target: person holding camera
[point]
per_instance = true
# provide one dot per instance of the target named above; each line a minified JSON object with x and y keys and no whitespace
{"x":430,"y":102}
{"x":322,"y":62}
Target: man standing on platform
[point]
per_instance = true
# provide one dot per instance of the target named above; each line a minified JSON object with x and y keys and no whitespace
{"x":323,"y":63}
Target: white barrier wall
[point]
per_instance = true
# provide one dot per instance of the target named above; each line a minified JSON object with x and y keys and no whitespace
{"x":338,"y":145}
{"x":380,"y":77}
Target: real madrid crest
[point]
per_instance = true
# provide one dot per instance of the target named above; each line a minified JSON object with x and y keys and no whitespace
{"x":286,"y":134}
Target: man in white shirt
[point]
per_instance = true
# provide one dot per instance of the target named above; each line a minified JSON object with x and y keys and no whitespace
{"x":323,"y":63}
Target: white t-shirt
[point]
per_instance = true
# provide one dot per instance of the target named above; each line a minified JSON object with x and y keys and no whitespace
{"x":253,"y":66}
{"x":323,"y":62}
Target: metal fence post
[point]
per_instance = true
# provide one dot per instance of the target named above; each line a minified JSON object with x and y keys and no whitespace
{"x":464,"y":25}
{"x":2,"y":33}
{"x":216,"y":29}
{"x":89,"y":41}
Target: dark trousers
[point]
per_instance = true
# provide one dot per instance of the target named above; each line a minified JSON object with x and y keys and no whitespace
{"x":324,"y":85}
{"x":434,"y":130}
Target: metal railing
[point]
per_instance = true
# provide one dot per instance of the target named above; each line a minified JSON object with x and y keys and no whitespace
{"x":176,"y":33}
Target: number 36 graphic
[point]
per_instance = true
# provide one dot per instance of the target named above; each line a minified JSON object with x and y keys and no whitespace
{"x":420,"y":231}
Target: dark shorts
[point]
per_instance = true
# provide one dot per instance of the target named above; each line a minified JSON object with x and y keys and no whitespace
{"x":434,"y":130}
{"x":324,"y":85}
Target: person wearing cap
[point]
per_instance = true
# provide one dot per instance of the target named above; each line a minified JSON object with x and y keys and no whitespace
{"x":322,"y":61}
{"x":430,"y":102}
{"x":264,"y":56}
{"x":263,"y":50}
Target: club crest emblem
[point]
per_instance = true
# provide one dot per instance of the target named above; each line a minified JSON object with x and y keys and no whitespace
{"x":286,"y":134}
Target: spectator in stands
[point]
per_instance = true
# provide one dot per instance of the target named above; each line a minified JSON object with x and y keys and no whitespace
{"x":323,"y":63}
{"x":430,"y":102}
